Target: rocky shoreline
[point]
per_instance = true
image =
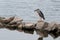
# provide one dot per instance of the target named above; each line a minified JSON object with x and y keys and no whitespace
{"x":42,"y":28}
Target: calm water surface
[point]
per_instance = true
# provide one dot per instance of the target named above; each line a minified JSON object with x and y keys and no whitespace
{"x":25,"y":9}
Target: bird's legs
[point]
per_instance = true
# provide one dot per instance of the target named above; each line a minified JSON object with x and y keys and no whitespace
{"x":41,"y":19}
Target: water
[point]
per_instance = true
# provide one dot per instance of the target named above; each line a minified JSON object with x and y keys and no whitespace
{"x":25,"y":9}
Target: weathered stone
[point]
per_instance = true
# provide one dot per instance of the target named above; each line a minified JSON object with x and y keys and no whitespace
{"x":51,"y":26}
{"x":45,"y":25}
{"x":54,"y":26}
{"x":17,"y":20}
{"x":7,"y":20}
{"x":42,"y":28}
{"x":39,"y":24}
{"x":29,"y":25}
{"x":20,"y":26}
{"x":11,"y":27}
{"x":58,"y":26}
{"x":1,"y":25}
{"x":42,"y":33}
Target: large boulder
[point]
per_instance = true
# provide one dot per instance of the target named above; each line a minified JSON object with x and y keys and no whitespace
{"x":41,"y":25}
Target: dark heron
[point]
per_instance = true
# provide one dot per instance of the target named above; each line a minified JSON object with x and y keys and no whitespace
{"x":40,"y":14}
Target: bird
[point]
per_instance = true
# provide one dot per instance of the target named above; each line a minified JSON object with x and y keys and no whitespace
{"x":40,"y":14}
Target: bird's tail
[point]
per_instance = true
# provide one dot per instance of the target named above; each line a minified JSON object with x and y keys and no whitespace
{"x":43,"y":18}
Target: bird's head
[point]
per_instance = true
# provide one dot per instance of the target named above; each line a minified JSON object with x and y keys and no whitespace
{"x":37,"y":10}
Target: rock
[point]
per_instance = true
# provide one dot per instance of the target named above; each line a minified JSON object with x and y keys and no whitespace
{"x":1,"y":18}
{"x":42,"y":33}
{"x":28,"y":31}
{"x":16,"y":20}
{"x":58,"y":26}
{"x":51,"y":26}
{"x":1,"y":25}
{"x":29,"y":25}
{"x":40,"y":38}
{"x":41,"y":25}
{"x":11,"y":27}
{"x":7,"y":20}
{"x":20,"y":26}
{"x":20,"y":30}
{"x":45,"y":25}
{"x":54,"y":35}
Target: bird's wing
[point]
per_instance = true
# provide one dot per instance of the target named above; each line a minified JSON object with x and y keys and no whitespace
{"x":41,"y":15}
